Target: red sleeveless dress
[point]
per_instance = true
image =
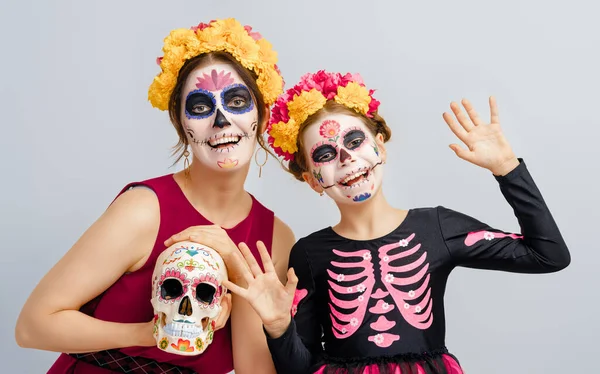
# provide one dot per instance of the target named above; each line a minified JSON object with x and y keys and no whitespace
{"x":128,"y":299}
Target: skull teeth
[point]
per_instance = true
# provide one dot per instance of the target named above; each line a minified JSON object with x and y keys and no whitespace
{"x":182,"y":330}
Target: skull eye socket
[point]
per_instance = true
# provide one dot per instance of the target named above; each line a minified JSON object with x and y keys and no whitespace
{"x":171,"y":289}
{"x":205,"y":293}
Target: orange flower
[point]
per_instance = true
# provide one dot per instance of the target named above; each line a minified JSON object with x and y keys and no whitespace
{"x":183,"y":346}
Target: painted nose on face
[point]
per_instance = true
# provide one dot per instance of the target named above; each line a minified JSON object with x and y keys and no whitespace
{"x":185,"y":307}
{"x":220,"y":121}
{"x":345,"y":156}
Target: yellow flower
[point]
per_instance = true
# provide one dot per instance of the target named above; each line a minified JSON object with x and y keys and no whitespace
{"x":270,"y":84}
{"x":305,"y":104}
{"x":160,"y":90}
{"x":227,"y":26}
{"x":178,"y":37}
{"x":266,"y":53}
{"x":243,"y":46}
{"x":354,"y":96}
{"x":285,"y":136}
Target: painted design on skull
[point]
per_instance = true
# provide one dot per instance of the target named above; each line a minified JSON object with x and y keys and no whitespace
{"x":183,"y":346}
{"x":155,"y":327}
{"x":172,"y":260}
{"x":173,"y":284}
{"x":199,"y":344}
{"x":376,"y":149}
{"x":190,"y":265}
{"x":206,"y":290}
{"x":192,"y":252}
{"x":228,"y":163}
{"x":187,"y":298}
{"x":215,"y":81}
{"x":329,"y":129}
{"x":163,"y":344}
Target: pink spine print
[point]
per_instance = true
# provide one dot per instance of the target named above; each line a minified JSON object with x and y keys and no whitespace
{"x":417,"y":313}
{"x":298,"y":296}
{"x":215,"y":81}
{"x":475,"y":236}
{"x":358,"y":285}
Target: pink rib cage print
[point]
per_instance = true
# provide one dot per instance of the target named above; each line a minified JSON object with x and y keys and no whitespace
{"x":413,"y":302}
{"x":417,"y":313}
{"x":361,"y":290}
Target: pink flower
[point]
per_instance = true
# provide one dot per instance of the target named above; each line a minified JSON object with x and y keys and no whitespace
{"x":358,"y":79}
{"x":158,"y":60}
{"x":279,"y":113}
{"x":201,"y":26}
{"x":255,"y":35}
{"x":373,"y":105}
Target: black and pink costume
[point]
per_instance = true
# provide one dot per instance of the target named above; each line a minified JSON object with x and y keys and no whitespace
{"x":377,"y":306}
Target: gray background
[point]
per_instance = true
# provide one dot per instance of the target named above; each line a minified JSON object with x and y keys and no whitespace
{"x":76,"y":127}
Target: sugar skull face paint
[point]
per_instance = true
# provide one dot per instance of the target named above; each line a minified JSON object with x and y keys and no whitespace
{"x":220,"y":117}
{"x":344,"y":158}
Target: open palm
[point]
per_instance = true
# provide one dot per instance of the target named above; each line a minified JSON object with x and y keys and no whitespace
{"x":487,"y":146}
{"x":271,"y":300}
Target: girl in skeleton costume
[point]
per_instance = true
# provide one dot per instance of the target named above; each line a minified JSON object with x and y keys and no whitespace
{"x":366,"y":296}
{"x":217,"y":82}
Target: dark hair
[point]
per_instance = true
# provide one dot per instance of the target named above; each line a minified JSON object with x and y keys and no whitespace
{"x":376,"y":124}
{"x":247,"y":76}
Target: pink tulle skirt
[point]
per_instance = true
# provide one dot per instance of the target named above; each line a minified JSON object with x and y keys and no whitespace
{"x":449,"y":362}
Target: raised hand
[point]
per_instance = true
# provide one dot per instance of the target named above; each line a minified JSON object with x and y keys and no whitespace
{"x":271,"y":300}
{"x":487,"y":146}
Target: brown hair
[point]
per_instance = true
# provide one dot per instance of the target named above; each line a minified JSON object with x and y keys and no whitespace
{"x":249,"y":78}
{"x":376,"y":124}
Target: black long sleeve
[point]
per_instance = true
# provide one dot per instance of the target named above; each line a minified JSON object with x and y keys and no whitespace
{"x":539,"y":248}
{"x":300,"y":346}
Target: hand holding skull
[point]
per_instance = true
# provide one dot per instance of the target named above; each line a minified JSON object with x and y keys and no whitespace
{"x":216,"y":238}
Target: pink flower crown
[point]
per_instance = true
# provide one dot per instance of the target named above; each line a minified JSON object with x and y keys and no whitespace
{"x":309,"y":96}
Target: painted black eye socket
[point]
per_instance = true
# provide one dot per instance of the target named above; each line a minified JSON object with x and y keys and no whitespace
{"x":324,"y":153}
{"x":171,"y":289}
{"x":237,"y":99}
{"x":205,"y":293}
{"x":353,"y":139}
{"x":199,"y":104}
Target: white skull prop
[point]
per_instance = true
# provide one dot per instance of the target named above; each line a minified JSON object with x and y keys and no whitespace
{"x":186,"y":297}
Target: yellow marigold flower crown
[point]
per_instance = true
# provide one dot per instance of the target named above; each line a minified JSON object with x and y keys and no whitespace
{"x":228,"y":35}
{"x":308,"y":97}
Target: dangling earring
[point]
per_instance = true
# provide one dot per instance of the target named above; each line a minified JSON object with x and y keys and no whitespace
{"x":321,"y":193}
{"x":186,"y":164}
{"x":260,"y":166}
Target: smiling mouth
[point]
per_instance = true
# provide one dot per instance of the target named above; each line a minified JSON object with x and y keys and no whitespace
{"x":356,"y":178}
{"x":224,"y":142}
